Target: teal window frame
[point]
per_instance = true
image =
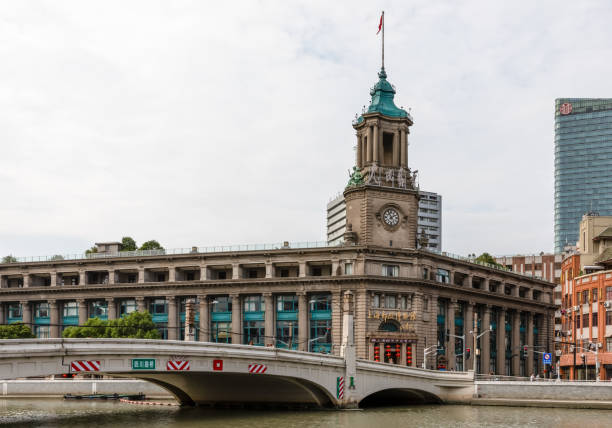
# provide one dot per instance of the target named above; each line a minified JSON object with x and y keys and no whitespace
{"x":98,"y":309}
{"x":320,"y":328}
{"x":14,"y":313}
{"x":221,"y":331}
{"x":254,"y":332}
{"x":283,"y":330}
{"x":127,"y":306}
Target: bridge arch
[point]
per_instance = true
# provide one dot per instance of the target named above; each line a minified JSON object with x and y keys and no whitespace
{"x":398,"y":397}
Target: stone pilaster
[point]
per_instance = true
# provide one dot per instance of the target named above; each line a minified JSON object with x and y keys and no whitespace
{"x":112,"y":277}
{"x":269,"y":319}
{"x":516,"y":338}
{"x":529,"y":336}
{"x":82,"y":277}
{"x":269,"y":270}
{"x":302,"y":321}
{"x":82,"y":306}
{"x":336,"y":322}
{"x":27,"y":280}
{"x":141,"y":304}
{"x":236,"y":319}
{"x":141,"y":275}
{"x":26,"y":312}
{"x":468,"y":331}
{"x":204,"y":335}
{"x":171,"y":274}
{"x":450,"y":326}
{"x":361,"y":322}
{"x":54,"y":319}
{"x":111,"y":308}
{"x":485,"y":341}
{"x":235,"y":271}
{"x":501,"y":342}
{"x":173,"y":330}
{"x":53,"y":276}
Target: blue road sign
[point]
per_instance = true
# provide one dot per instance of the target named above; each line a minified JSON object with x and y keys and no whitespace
{"x":547,"y":358}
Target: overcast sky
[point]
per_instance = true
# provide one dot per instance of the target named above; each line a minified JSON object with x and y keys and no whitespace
{"x":202,"y":123}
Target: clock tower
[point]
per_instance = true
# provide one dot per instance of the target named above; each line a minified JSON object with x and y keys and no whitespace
{"x":382,"y":195}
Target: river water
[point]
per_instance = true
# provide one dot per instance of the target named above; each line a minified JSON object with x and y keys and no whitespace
{"x":60,"y":413}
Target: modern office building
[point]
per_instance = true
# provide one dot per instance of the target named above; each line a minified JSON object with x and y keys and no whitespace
{"x":586,"y":308}
{"x":583,"y":164}
{"x":405,"y":299}
{"x":429,"y":222}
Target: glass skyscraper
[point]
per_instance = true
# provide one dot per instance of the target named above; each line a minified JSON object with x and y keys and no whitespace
{"x":583,"y":163}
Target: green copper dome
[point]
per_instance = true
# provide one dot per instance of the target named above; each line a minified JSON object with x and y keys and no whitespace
{"x":382,"y":98}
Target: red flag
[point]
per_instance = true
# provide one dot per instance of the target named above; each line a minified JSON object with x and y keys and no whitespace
{"x":380,"y":25}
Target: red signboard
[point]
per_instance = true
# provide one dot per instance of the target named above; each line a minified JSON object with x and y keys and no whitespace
{"x":566,"y":108}
{"x":218,"y":365}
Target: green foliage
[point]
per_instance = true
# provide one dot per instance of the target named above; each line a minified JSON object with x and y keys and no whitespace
{"x":57,"y":257}
{"x":9,"y":259}
{"x":487,"y":258}
{"x":16,"y":330}
{"x":151,"y":245}
{"x":93,"y":249}
{"x":137,"y":325}
{"x":128,"y":244}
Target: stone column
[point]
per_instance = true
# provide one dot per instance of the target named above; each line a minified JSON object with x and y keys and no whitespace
{"x":269,"y":268}
{"x":501,"y":342}
{"x":269,"y":319}
{"x":53,"y":279}
{"x":27,"y":280}
{"x":3,"y":280}
{"x":369,"y":145}
{"x":469,"y":281}
{"x":82,"y":311}
{"x":336,"y":322}
{"x":82,"y":277}
{"x":26,"y":312}
{"x":516,"y":339}
{"x":450,"y":323}
{"x":485,"y":284}
{"x":485,"y":341}
{"x":171,"y":274}
{"x":359,"y":144}
{"x":54,"y":319}
{"x":111,"y":308}
{"x":451,"y":277}
{"x":204,"y":319}
{"x":501,"y":288}
{"x":112,"y":277}
{"x":235,"y":271}
{"x":529,"y":336}
{"x":360,"y":322}
{"x":236,"y":319}
{"x":403,"y":151}
{"x":2,"y":314}
{"x":302,"y":269}
{"x":173,"y":331}
{"x":375,"y":143}
{"x":140,"y":301}
{"x":302,"y":321}
{"x":396,"y":157}
{"x":141,"y":275}
{"x":515,"y":290}
{"x":468,"y":326}
{"x":334,"y":268}
{"x":203,"y":273}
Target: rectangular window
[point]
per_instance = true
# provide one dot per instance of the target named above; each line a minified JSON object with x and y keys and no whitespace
{"x":190,"y":276}
{"x":42,"y":331}
{"x":609,"y":344}
{"x":390,"y":302}
{"x":287,"y":303}
{"x":161,"y":277}
{"x":321,"y":302}
{"x":221,"y":274}
{"x":594,"y":320}
{"x":316,"y":271}
{"x":254,"y":333}
{"x":594,"y":295}
{"x":284,"y":273}
{"x":376,"y":301}
{"x":220,"y":332}
{"x":585,"y":296}
{"x":252,"y":273}
{"x":42,"y":310}
{"x":608,"y":293}
{"x":577,"y":321}
{"x":131,"y":278}
{"x":425,"y":273}
{"x":98,"y":308}
{"x":71,"y":309}
{"x":253,"y":304}
{"x":348,"y":268}
{"x":402,"y":302}
{"x":608,"y":317}
{"x":320,"y":336}
{"x":287,"y":334}
{"x":222,"y":304}
{"x":158,"y":307}
{"x":443,"y":276}
{"x":390,"y":270}
{"x":127,"y":307}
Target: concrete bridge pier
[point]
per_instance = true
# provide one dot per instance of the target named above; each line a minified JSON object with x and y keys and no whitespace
{"x":349,"y":353}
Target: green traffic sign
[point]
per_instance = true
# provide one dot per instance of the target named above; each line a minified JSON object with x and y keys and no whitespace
{"x":143,"y":364}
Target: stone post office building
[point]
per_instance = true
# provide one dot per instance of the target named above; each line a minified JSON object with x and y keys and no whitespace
{"x":406,"y":299}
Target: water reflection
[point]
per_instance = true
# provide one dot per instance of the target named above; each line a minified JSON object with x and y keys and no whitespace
{"x":59,"y":413}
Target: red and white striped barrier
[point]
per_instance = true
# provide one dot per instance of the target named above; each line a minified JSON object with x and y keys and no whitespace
{"x":178,"y":365}
{"x":341,"y":387}
{"x":85,"y":366}
{"x":257,"y":368}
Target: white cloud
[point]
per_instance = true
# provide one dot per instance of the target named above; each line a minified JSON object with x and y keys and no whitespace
{"x":197,"y":123}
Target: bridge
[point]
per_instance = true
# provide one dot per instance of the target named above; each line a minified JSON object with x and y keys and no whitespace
{"x":223,"y":374}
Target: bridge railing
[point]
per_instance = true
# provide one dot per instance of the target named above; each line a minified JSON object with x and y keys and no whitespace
{"x":500,"y":378}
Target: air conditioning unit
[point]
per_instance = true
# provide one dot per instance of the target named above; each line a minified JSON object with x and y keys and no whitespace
{"x":576,"y":308}
{"x":607,"y":304}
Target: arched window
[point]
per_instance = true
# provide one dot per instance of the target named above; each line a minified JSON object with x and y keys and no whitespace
{"x":388,"y":326}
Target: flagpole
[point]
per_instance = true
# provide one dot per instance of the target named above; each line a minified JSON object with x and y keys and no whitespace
{"x":383,"y":39}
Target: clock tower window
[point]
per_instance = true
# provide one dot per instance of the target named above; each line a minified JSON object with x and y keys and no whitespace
{"x":387,"y":149}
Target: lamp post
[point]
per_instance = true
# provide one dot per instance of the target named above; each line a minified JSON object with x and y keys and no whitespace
{"x":476,"y":337}
{"x":462,"y":337}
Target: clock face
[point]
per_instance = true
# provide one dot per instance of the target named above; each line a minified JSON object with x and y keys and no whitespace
{"x":391,"y":217}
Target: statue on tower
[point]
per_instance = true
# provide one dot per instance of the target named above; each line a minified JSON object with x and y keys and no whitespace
{"x":356,"y":179}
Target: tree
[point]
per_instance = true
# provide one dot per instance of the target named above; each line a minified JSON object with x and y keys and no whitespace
{"x":151,"y":245}
{"x":128,"y":244}
{"x":488,"y":259}
{"x":9,"y":259}
{"x":92,"y":250}
{"x":137,"y":325}
{"x":16,"y":330}
{"x":56,"y":257}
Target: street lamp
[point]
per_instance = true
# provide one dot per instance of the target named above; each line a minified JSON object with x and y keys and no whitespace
{"x":583,"y":356}
{"x":477,"y":336}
